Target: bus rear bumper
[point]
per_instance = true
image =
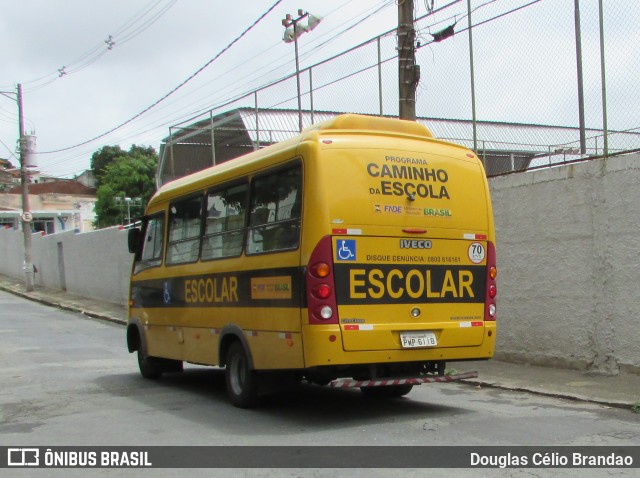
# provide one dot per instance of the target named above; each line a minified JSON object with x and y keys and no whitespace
{"x":323,"y":347}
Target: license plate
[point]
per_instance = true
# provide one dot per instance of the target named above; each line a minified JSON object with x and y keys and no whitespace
{"x":411,"y":340}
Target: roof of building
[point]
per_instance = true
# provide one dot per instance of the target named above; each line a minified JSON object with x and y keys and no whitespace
{"x":503,"y":147}
{"x":11,"y":172}
{"x":274,"y":125}
{"x":70,"y":187}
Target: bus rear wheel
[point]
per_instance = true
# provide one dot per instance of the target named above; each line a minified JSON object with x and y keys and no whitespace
{"x":392,"y":391}
{"x":242,"y":382}
{"x":150,"y":367}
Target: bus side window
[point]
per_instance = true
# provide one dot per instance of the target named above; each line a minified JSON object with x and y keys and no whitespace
{"x":185,"y":218}
{"x":224,"y":223}
{"x":276,"y":206}
{"x":152,"y":243}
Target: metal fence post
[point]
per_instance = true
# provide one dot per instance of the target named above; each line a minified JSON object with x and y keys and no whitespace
{"x":257,"y":144}
{"x":581,"y":119}
{"x":311,"y":92}
{"x":473,"y":88}
{"x":213,"y":137}
{"x":604,"y":83}
{"x":171,"y":157}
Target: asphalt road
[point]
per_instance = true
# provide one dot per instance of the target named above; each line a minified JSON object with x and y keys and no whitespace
{"x":69,"y":380}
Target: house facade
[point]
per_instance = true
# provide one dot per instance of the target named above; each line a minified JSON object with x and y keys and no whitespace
{"x":56,"y":206}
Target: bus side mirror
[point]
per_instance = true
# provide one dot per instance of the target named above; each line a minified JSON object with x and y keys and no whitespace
{"x":134,"y":240}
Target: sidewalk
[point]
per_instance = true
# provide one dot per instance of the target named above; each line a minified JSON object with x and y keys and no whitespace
{"x":58,"y":298}
{"x":622,"y":391}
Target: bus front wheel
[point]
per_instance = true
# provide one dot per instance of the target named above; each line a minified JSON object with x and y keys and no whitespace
{"x":242,"y":382}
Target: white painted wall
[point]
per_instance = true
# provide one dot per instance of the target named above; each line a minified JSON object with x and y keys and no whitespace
{"x":569,"y":265}
{"x":96,"y":264}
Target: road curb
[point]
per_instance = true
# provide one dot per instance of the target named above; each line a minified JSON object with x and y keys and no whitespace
{"x":63,"y":306}
{"x":549,"y":393}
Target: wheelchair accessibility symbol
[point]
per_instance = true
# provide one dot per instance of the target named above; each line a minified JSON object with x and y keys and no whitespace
{"x":166,"y":295}
{"x":346,"y":250}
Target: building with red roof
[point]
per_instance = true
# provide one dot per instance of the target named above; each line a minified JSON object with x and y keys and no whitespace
{"x":57,"y":205}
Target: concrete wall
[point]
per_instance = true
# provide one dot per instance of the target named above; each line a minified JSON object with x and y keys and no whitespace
{"x":568,"y":261}
{"x":92,"y":264}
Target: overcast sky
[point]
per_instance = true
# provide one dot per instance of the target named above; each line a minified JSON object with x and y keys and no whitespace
{"x":38,"y":37}
{"x":157,"y":44}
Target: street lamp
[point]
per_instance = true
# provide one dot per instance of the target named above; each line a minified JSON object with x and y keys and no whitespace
{"x":128,"y":203}
{"x":293,"y":29}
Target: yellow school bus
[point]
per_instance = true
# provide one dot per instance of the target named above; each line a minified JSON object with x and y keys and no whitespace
{"x":360,"y":253}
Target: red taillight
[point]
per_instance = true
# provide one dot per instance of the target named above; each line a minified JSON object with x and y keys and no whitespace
{"x":321,"y":301}
{"x":322,"y":291}
{"x":492,"y":290}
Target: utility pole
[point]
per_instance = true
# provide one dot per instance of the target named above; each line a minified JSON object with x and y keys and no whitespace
{"x":408,"y":71}
{"x":26,"y":213}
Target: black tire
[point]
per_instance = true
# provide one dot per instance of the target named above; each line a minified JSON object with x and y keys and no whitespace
{"x":392,"y":391}
{"x":150,"y":367}
{"x":242,"y":382}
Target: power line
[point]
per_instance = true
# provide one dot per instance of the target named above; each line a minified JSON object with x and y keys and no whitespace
{"x":9,"y":149}
{"x":255,"y":72}
{"x":378,"y":9}
{"x":138,"y":16}
{"x":129,"y":30}
{"x":229,"y":100}
{"x":200,"y":70}
{"x":360,"y":70}
{"x":360,"y":17}
{"x":146,"y":25}
{"x":258,"y":74}
{"x":223,"y":102}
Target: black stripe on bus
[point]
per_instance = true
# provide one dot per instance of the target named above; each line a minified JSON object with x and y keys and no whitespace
{"x":256,"y":288}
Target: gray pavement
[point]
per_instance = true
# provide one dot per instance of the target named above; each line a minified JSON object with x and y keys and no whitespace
{"x":621,"y":391}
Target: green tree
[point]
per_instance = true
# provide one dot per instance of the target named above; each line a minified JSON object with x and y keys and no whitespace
{"x":131,"y":174}
{"x":103,"y":158}
{"x":136,"y":150}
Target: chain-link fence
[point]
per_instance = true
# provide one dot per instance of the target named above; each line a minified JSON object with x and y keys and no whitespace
{"x":525,"y":83}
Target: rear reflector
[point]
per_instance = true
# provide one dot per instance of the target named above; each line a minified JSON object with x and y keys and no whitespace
{"x":475,"y":237}
{"x":344,"y":232}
